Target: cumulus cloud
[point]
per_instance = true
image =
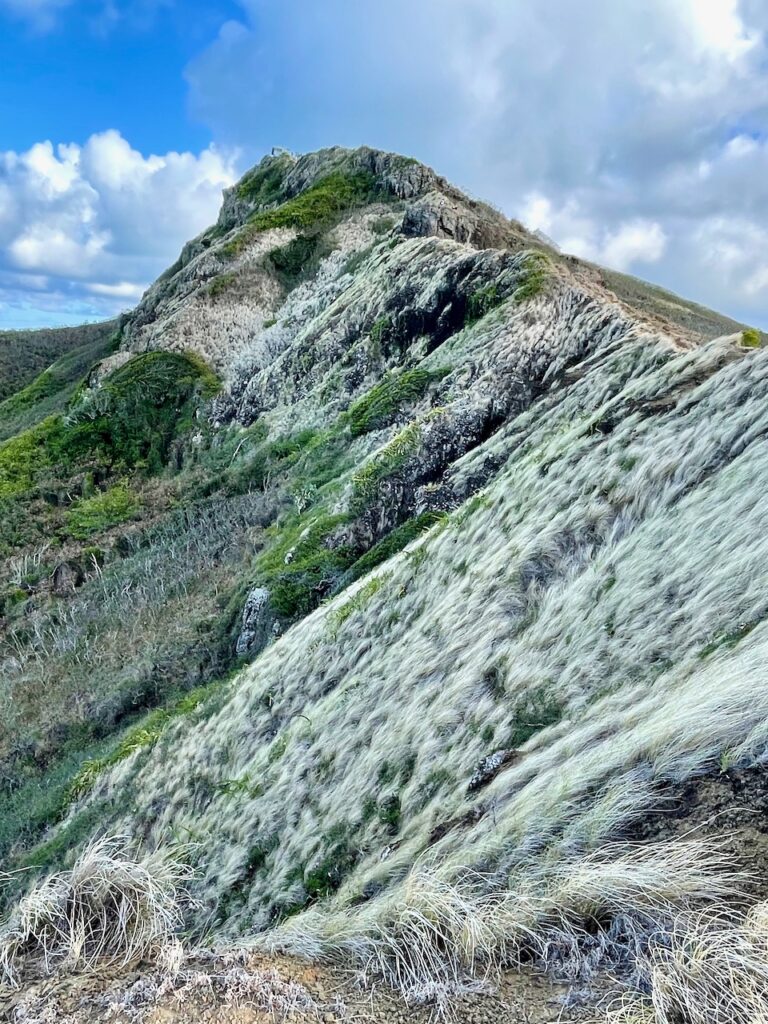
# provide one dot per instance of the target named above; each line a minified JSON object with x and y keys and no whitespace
{"x":637,"y":131}
{"x":84,"y":229}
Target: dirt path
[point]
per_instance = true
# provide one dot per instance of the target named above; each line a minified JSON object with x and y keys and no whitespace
{"x":259,"y":989}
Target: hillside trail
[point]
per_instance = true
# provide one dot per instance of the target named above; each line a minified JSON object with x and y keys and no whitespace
{"x":319,"y":993}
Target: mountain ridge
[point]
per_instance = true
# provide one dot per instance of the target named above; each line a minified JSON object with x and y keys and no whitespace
{"x":474,"y":537}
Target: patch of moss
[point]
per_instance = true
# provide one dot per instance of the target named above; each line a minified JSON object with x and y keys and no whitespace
{"x":535,"y":274}
{"x":302,"y":567}
{"x":481,"y":302}
{"x":384,"y":463}
{"x":395,"y":541}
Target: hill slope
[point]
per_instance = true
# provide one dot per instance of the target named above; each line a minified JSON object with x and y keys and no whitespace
{"x":477,"y":540}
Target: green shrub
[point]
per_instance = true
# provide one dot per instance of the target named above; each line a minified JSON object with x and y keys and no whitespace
{"x":750,"y":337}
{"x":536,"y":271}
{"x":264,"y":184}
{"x":221,"y":283}
{"x":22,"y":458}
{"x":102,"y":511}
{"x":144,"y":405}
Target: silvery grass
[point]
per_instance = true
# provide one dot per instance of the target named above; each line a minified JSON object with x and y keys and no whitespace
{"x":709,"y":968}
{"x":109,"y":910}
{"x":439,"y":937}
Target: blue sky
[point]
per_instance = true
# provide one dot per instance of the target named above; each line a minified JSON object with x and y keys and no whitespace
{"x":634,"y":134}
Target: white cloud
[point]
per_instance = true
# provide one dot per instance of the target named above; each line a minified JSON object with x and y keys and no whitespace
{"x":93,"y":225}
{"x":635,"y":241}
{"x":632,"y":124}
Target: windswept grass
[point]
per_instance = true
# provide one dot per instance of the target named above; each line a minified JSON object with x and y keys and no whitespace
{"x":109,"y":910}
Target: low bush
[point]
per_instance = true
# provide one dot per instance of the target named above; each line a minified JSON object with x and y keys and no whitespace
{"x":102,"y":511}
{"x":316,"y":208}
{"x":751,"y":337}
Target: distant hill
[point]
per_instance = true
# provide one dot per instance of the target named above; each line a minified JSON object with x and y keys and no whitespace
{"x":25,"y":354}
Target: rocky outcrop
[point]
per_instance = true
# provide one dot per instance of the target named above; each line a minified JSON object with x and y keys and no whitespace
{"x":259,"y":624}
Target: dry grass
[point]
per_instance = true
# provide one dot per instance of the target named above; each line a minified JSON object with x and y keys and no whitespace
{"x":110,"y":909}
{"x":710,"y":968}
{"x":441,"y":937}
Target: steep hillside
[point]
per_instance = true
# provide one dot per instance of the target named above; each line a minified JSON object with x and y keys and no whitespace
{"x":398,"y":572}
{"x":25,"y":354}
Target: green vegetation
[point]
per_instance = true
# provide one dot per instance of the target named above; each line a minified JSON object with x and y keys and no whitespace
{"x":144,"y":735}
{"x":356,"y":603}
{"x":144,"y":405}
{"x":315,"y":208}
{"x":379,"y":333}
{"x":381,"y":405}
{"x":540,"y":710}
{"x":531,"y":281}
{"x":395,"y":541}
{"x":750,"y":337}
{"x":481,"y":302}
{"x":298,"y":259}
{"x":221,"y":284}
{"x":264,"y":184}
{"x":324,"y":876}
{"x":730,"y":638}
{"x":25,"y":354}
{"x":51,"y":391}
{"x":321,"y":203}
{"x":533,"y":278}
{"x":382,"y":225}
{"x":384,"y":463}
{"x":304,"y":566}
{"x":102,"y":511}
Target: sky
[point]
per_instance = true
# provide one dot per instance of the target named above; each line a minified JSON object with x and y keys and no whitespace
{"x":634,"y":134}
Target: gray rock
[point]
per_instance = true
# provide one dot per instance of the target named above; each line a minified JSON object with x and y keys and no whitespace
{"x":258,"y":626}
{"x":490,"y":766}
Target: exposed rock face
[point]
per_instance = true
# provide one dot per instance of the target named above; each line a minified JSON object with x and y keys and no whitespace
{"x":259,"y":625}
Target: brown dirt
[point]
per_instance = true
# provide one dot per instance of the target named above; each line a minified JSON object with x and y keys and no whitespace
{"x":517,"y":999}
{"x":733,"y":805}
